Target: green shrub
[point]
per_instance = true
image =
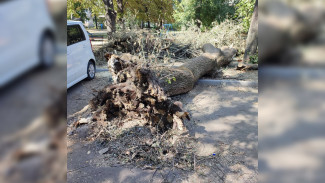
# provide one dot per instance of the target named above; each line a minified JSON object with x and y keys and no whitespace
{"x":253,"y":59}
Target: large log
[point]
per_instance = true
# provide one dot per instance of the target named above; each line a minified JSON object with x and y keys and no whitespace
{"x":173,"y":80}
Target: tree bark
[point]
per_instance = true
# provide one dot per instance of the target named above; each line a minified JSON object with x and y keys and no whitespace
{"x":252,"y":38}
{"x":110,"y":16}
{"x":96,"y":21}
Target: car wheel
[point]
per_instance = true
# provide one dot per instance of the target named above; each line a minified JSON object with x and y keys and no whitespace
{"x":47,"y":51}
{"x":91,"y":70}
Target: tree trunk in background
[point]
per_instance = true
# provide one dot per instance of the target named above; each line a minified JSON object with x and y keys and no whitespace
{"x":148,"y":24}
{"x":161,"y":24}
{"x":252,"y":38}
{"x":110,"y":16}
{"x":96,"y":21}
{"x":120,"y":9}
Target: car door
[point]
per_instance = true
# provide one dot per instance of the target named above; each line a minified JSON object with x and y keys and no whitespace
{"x":76,"y":40}
{"x":84,"y":55}
{"x":87,"y":50}
{"x":17,"y":39}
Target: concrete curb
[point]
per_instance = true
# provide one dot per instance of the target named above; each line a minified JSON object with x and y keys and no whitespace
{"x":213,"y":82}
{"x":291,"y":73}
{"x":101,"y":70}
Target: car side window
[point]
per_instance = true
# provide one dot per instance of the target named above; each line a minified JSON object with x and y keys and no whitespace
{"x":75,"y":34}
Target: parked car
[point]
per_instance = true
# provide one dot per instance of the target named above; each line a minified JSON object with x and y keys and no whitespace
{"x":27,"y":37}
{"x":81,"y":61}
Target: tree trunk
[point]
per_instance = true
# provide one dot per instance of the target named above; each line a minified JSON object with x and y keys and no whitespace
{"x":96,"y":21}
{"x":142,"y":24}
{"x":110,"y":16}
{"x":161,"y":24}
{"x":120,"y":9}
{"x":173,"y":80}
{"x":141,"y":91}
{"x":252,"y":38}
{"x":148,"y":24}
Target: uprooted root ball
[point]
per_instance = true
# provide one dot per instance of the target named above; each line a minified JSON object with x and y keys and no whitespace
{"x":139,"y":97}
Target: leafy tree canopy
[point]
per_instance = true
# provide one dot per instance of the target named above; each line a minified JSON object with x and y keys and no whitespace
{"x":152,"y":10}
{"x":145,"y":10}
{"x":203,"y":12}
{"x":244,"y":12}
{"x":77,"y":8}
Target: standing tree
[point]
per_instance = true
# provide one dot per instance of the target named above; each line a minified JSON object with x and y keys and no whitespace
{"x":151,"y":11}
{"x":202,"y":12}
{"x":96,"y":7}
{"x":142,"y":9}
{"x":162,"y":11}
{"x":110,"y":16}
{"x":252,"y":40}
{"x":120,"y":11}
{"x":76,"y":9}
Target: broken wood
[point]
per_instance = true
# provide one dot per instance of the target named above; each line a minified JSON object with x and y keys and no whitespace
{"x":247,"y":67}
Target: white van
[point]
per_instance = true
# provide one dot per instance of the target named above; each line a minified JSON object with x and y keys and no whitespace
{"x":81,"y":61}
{"x":27,"y":37}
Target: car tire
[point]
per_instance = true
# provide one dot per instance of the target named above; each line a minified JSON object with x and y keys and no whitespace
{"x":47,"y":51}
{"x":91,"y":70}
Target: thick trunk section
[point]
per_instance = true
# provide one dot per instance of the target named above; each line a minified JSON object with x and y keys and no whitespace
{"x":252,"y":38}
{"x":110,"y":16}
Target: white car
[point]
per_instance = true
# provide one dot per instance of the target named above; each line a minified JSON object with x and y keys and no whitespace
{"x":27,"y":37}
{"x":81,"y":61}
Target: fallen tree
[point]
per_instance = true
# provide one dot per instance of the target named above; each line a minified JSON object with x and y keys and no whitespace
{"x":173,"y":80}
{"x":140,"y":91}
{"x":135,"y":119}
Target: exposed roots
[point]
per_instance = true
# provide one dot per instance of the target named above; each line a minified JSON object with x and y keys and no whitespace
{"x":138,"y":96}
